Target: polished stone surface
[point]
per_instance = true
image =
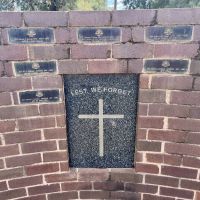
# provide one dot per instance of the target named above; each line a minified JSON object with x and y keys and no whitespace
{"x":31,"y":35}
{"x":166,"y":66}
{"x":101,"y":120}
{"x":162,"y":33}
{"x":99,"y":35}
{"x":40,"y":96}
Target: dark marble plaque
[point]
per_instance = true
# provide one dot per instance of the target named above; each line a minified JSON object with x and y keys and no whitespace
{"x":167,"y":66}
{"x":31,"y":35}
{"x":101,"y":119}
{"x":161,"y":33}
{"x":29,"y":68}
{"x":95,"y":35}
{"x":39,"y":96}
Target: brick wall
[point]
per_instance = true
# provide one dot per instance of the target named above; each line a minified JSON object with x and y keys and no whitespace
{"x":33,"y":155}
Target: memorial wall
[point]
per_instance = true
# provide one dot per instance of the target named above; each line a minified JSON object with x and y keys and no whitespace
{"x":100,"y":105}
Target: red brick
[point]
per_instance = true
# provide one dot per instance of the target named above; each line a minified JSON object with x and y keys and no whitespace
{"x":13,"y":84}
{"x":90,"y":52}
{"x":176,"y":193}
{"x":191,"y":162}
{"x":144,"y":82}
{"x":46,"y":19}
{"x":108,"y":186}
{"x":63,"y":195}
{"x":52,"y":109}
{"x":43,"y":189}
{"x":62,"y":144}
{"x":194,"y":112}
{"x":9,"y":150}
{"x":23,"y":160}
{"x":55,"y":133}
{"x":93,"y":175}
{"x":38,"y":197}
{"x":8,"y":69}
{"x":185,"y":149}
{"x":125,"y":195}
{"x":76,"y":186}
{"x":147,"y":168}
{"x":150,"y":122}
{"x":107,"y":66}
{"x":41,"y":169}
{"x":188,"y":184}
{"x":172,"y":159}
{"x":72,"y":67}
{"x":49,"y":52}
{"x":184,"y":124}
{"x":155,"y":158}
{"x":61,"y":121}
{"x":196,"y":31}
{"x":94,"y":194}
{"x":176,"y":50}
{"x":149,"y":146}
{"x":3,"y":186}
{"x":142,"y":109}
{"x":130,"y":50}
{"x":132,"y":17}
{"x":161,"y":180}
{"x":197,"y":196}
{"x":194,"y":67}
{"x":1,"y":164}
{"x":24,"y":182}
{"x":11,"y":194}
{"x":5,"y":99}
{"x":168,"y":110}
{"x":148,"y":196}
{"x":38,"y":146}
{"x":36,"y":123}
{"x":172,"y":82}
{"x":85,"y":18}
{"x":175,"y":16}
{"x":55,"y":156}
{"x":65,"y":35}
{"x":11,"y":173}
{"x":152,"y":96}
{"x":197,"y":84}
{"x":10,"y":19}
{"x":141,"y":134}
{"x":141,"y":188}
{"x":18,"y":112}
{"x":21,"y":137}
{"x":138,"y":34}
{"x":179,"y":172}
{"x":13,"y":53}
{"x":135,"y":66}
{"x":165,"y":135}
{"x":64,"y":166}
{"x":193,"y":138}
{"x":126,"y":35}
{"x":7,"y":126}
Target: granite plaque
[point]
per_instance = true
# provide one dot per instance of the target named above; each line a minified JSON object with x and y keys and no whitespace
{"x":176,"y":33}
{"x":166,"y":66}
{"x":31,"y":35}
{"x":99,"y":35}
{"x":30,"y":68}
{"x":101,"y":119}
{"x":40,"y":96}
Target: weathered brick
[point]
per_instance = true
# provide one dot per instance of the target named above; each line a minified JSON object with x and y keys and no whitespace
{"x":172,"y":82}
{"x":176,"y":193}
{"x":162,"y":180}
{"x":57,"y":52}
{"x":194,"y":67}
{"x":149,"y":146}
{"x":135,"y":66}
{"x":11,"y":194}
{"x":23,"y":160}
{"x":68,"y":176}
{"x":147,"y":168}
{"x":46,"y":19}
{"x":3,"y":186}
{"x":144,"y":81}
{"x":148,"y":196}
{"x":10,"y":19}
{"x":141,"y":188}
{"x":197,"y":84}
{"x":52,"y":109}
{"x":38,"y":146}
{"x":191,"y":162}
{"x":55,"y":133}
{"x":152,"y":96}
{"x":90,"y":52}
{"x":194,"y":112}
{"x":130,"y":50}
{"x":21,"y":137}
{"x":43,"y":189}
{"x":193,"y":138}
{"x":9,"y":150}
{"x":7,"y":126}
{"x":125,"y":195}
{"x":11,"y":173}
{"x":13,"y":84}
{"x":65,"y":35}
{"x":24,"y":182}
{"x":188,"y":184}
{"x":108,"y":186}
{"x":41,"y":169}
{"x":132,"y":17}
{"x":63,"y":195}
{"x":36,"y":123}
{"x":68,"y":186}
{"x":5,"y":99}
{"x":8,"y":69}
{"x":150,"y":122}
{"x":94,"y":194}
{"x":85,"y":18}
{"x":178,"y":172}
{"x":196,"y":31}
{"x":1,"y":164}
{"x":138,"y":34}
{"x":126,"y":35}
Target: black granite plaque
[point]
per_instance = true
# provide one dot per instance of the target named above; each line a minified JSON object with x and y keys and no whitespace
{"x":166,"y":66}
{"x":95,"y":35}
{"x":162,"y":33}
{"x":101,"y":119}
{"x":31,"y":35}
{"x":39,"y":96}
{"x":29,"y":68}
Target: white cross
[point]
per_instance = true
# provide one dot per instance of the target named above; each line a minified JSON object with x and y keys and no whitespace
{"x":101,"y":116}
